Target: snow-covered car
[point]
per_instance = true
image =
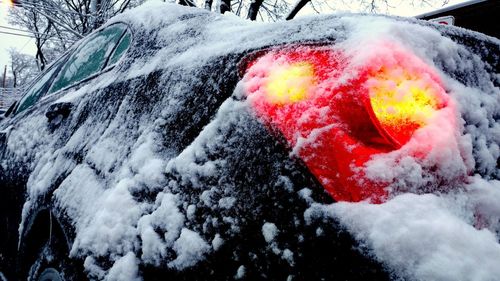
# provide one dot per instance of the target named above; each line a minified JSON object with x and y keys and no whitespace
{"x":175,"y":143}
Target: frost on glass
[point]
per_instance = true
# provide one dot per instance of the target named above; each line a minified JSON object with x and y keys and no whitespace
{"x":37,"y":91}
{"x":89,"y":58}
{"x":120,"y":49}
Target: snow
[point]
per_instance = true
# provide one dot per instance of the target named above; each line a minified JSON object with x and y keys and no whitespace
{"x":423,"y":237}
{"x":217,"y":242}
{"x":190,"y":248}
{"x":240,"y":273}
{"x":126,"y":268}
{"x":166,"y":217}
{"x":269,"y":231}
{"x":141,"y":190}
{"x":288,"y":256}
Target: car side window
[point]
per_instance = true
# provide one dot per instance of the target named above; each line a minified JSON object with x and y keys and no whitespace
{"x":38,"y":89}
{"x":90,"y":57}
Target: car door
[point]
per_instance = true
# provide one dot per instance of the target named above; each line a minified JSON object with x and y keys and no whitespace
{"x":38,"y":125}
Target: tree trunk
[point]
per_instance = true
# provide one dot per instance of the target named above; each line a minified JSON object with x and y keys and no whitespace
{"x":4,"y":76}
{"x":14,"y":75}
{"x":254,"y":9}
{"x":40,"y":58}
{"x":300,"y":4}
{"x":225,"y":6}
{"x":14,"y":79}
{"x":93,"y":6}
{"x":97,"y":10}
{"x":208,"y":4}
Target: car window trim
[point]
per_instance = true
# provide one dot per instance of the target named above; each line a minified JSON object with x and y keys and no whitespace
{"x":116,"y":47}
{"x":93,"y":76}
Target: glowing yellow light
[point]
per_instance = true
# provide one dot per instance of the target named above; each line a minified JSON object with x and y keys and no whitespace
{"x":7,"y":3}
{"x":401,"y":100}
{"x":290,"y":83}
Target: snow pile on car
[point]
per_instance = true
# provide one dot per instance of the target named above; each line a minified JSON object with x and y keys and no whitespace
{"x":138,"y":197}
{"x":453,"y":233}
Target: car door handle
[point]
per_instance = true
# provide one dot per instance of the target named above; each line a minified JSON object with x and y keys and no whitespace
{"x":3,"y":138}
{"x":3,"y":142}
{"x":58,"y":109}
{"x":4,"y":135}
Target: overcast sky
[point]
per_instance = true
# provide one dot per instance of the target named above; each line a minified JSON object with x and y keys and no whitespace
{"x":26,"y":45}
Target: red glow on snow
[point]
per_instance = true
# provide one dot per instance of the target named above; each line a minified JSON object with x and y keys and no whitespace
{"x":336,"y":124}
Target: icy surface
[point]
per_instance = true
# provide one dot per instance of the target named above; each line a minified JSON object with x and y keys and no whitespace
{"x":112,"y":171}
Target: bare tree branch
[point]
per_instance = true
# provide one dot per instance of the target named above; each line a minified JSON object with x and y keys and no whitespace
{"x":188,"y":3}
{"x":57,"y":24}
{"x":298,"y":6}
{"x":238,"y":10}
{"x":254,"y":9}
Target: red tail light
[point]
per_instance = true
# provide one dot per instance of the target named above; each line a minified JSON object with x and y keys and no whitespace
{"x":336,"y":116}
